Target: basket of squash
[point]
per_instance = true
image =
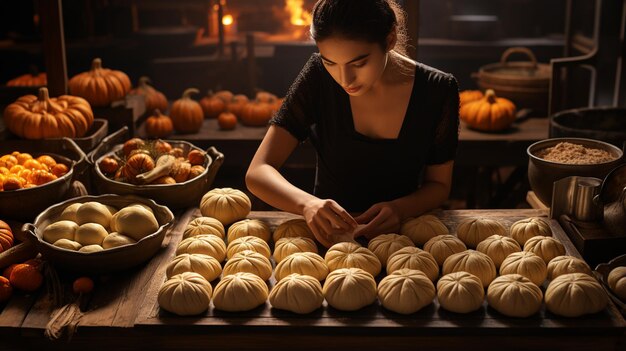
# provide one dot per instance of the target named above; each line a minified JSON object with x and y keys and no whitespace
{"x":173,"y":173}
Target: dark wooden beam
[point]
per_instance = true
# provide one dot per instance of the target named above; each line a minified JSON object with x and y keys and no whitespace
{"x":54,"y":46}
{"x":412,"y":8}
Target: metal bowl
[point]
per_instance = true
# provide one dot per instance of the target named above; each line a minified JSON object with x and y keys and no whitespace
{"x":106,"y":261}
{"x":602,"y":272}
{"x":542,"y":174}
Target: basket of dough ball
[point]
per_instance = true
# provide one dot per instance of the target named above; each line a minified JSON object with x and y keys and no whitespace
{"x":173,"y":173}
{"x":100,"y":234}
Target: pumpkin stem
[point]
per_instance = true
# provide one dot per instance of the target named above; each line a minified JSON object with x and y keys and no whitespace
{"x":490,"y":95}
{"x":188,"y":92}
{"x":156,"y":112}
{"x":143,"y":81}
{"x":43,"y":94}
{"x":96,"y":64}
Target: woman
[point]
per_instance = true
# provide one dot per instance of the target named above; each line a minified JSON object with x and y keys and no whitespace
{"x":385,"y":128}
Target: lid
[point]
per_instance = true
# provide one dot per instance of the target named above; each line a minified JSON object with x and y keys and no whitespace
{"x":526,"y":70}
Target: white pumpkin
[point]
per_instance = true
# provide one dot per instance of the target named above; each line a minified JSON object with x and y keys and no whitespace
{"x":474,"y":262}
{"x":211,"y":245}
{"x":617,"y":281}
{"x":460,"y":292}
{"x":240,"y":292}
{"x":386,"y":244}
{"x":290,"y":245}
{"x":474,"y":230}
{"x":297,"y":293}
{"x":68,"y":244}
{"x":423,"y":228}
{"x":69,"y":212}
{"x":498,"y":247}
{"x":250,"y":262}
{"x":352,"y":255}
{"x":204,"y":225}
{"x":208,"y":267}
{"x":185,"y":294}
{"x":90,"y":234}
{"x":525,"y":229}
{"x":226,"y":205}
{"x":91,"y":248}
{"x":443,"y":246}
{"x":93,"y":212}
{"x":414,"y":258}
{"x":406,"y":291}
{"x":253,"y":243}
{"x":545,"y":247}
{"x":514,"y":295}
{"x":115,"y":239}
{"x":249,"y":227}
{"x":527,"y":264}
{"x":296,"y":227}
{"x":306,"y":263}
{"x":574,"y":295}
{"x":135,"y":222}
{"x":59,"y":230}
{"x":567,"y":264}
{"x":349,"y":289}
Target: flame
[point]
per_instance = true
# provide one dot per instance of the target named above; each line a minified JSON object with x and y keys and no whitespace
{"x":299,"y":17}
{"x":227,"y":20}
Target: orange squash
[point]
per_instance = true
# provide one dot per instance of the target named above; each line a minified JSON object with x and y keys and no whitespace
{"x":225,"y":95}
{"x":159,"y":125}
{"x":470,"y":95}
{"x":490,"y":113}
{"x":186,"y":113}
{"x":256,"y":114}
{"x":26,"y":277}
{"x":42,"y":117}
{"x":196,"y":157}
{"x":227,"y":121}
{"x":137,"y":164}
{"x":264,"y":96}
{"x":82,"y":285}
{"x":237,"y":104}
{"x":100,"y":86}
{"x":154,"y":98}
{"x":6,"y":290}
{"x":6,"y":236}
{"x":32,"y":79}
{"x":212,"y":105}
{"x":108,"y":165}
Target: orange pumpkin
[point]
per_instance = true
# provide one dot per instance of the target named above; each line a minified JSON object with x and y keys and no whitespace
{"x":108,"y":165}
{"x":154,"y":98}
{"x":195,"y":171}
{"x":196,"y":157}
{"x":162,"y":147}
{"x":212,"y":105}
{"x":42,"y":117}
{"x":469,"y":95}
{"x":6,"y":290}
{"x":237,"y":104}
{"x":490,"y":113}
{"x":59,"y":169}
{"x":6,"y":236}
{"x":47,"y":160}
{"x":256,"y":114}
{"x":100,"y":86}
{"x":186,"y":113}
{"x":227,"y":121}
{"x":164,"y":180}
{"x":159,"y":125}
{"x":26,"y":277}
{"x":29,"y":80}
{"x":264,"y":96}
{"x":180,"y":171}
{"x":225,"y":95}
{"x":39,"y":177}
{"x":137,"y":164}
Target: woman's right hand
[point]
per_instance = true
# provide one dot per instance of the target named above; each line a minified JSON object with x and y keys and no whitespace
{"x":328,"y":220}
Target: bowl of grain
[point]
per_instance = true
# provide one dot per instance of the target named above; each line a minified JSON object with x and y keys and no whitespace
{"x":552,"y":159}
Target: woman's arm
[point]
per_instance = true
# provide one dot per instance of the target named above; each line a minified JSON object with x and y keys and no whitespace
{"x":387,"y":217}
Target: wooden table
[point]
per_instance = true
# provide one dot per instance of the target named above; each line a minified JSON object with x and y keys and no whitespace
{"x":123,"y":313}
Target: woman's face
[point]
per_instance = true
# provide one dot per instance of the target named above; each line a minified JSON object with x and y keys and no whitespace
{"x":355,"y":65}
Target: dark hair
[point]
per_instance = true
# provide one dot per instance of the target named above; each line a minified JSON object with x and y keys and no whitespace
{"x":369,"y":20}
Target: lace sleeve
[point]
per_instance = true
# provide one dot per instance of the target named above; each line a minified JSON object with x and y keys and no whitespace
{"x":447,"y":131}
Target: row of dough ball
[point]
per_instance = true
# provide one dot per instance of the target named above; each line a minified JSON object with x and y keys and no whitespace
{"x":617,"y":282}
{"x":92,"y":226}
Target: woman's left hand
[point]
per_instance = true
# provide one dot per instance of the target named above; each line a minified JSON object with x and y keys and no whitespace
{"x":381,"y":218}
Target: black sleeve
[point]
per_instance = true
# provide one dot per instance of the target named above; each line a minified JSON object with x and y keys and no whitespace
{"x":447,"y":130}
{"x":298,"y":111}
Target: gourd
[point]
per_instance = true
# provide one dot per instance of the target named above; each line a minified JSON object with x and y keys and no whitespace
{"x":32,"y":79}
{"x":59,"y":230}
{"x":248,"y":243}
{"x":6,"y":290}
{"x":6,"y":236}
{"x":490,"y":113}
{"x":26,"y":277}
{"x":100,"y":86}
{"x":292,"y":228}
{"x":406,"y":291}
{"x":567,"y":264}
{"x":204,"y":225}
{"x":297,"y":293}
{"x":514,"y":295}
{"x":246,"y":227}
{"x":498,"y":247}
{"x":443,"y":246}
{"x":307,"y":263}
{"x":240,"y":292}
{"x":212,"y":105}
{"x":42,"y":117}
{"x":349,"y":289}
{"x":617,"y":281}
{"x":227,"y":205}
{"x":385,"y":245}
{"x":525,"y":229}
{"x":137,"y":164}
{"x":180,"y":171}
{"x":154,"y":99}
{"x":413,"y":258}
{"x":227,"y":121}
{"x":545,"y":247}
{"x":423,"y":228}
{"x":474,"y":230}
{"x":236,"y":104}
{"x":115,"y":239}
{"x":208,"y":267}
{"x":352,"y":255}
{"x":470,"y":95}
{"x":162,"y":168}
{"x":574,"y":295}
{"x":474,"y":262}
{"x":460,"y":292}
{"x":186,"y":113}
{"x":210,"y":245}
{"x":135,"y":222}
{"x":527,"y":264}
{"x":93,"y":212}
{"x":290,"y":245}
{"x":90,"y":234}
{"x":185,"y":294}
{"x":251,"y":262}
{"x":159,"y":125}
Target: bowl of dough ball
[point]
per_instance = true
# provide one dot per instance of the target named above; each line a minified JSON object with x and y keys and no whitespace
{"x":100,"y":234}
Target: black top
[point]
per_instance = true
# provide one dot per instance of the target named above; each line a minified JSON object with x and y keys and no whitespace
{"x":358,"y":171}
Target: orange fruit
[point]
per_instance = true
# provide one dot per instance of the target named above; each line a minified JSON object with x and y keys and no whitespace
{"x":5,"y":289}
{"x":26,"y":277}
{"x":82,"y":285}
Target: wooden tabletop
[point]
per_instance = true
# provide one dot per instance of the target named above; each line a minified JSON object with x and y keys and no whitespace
{"x":123,"y":313}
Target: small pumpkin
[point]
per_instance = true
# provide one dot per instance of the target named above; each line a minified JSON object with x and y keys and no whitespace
{"x":186,"y":113}
{"x":26,"y":277}
{"x":100,"y":86}
{"x":159,"y":125}
{"x":196,"y":157}
{"x":137,"y":164}
{"x":34,"y":78}
{"x":470,"y":95}
{"x":5,"y":289}
{"x":237,"y":103}
{"x":154,"y":99}
{"x":212,"y":105}
{"x":42,"y":117}
{"x":256,"y":114}
{"x":227,"y":121}
{"x":108,"y":165}
{"x":264,"y":96}
{"x":6,"y":236}
{"x":225,"y":95}
{"x":490,"y":113}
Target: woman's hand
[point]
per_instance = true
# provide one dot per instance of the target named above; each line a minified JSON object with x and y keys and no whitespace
{"x":328,"y":220}
{"x":381,"y":218}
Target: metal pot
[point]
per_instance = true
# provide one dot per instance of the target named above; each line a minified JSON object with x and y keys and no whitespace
{"x":600,"y":123}
{"x":613,"y":196}
{"x":526,"y":83}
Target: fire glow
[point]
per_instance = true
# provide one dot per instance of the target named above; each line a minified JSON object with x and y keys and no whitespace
{"x":299,"y":16}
